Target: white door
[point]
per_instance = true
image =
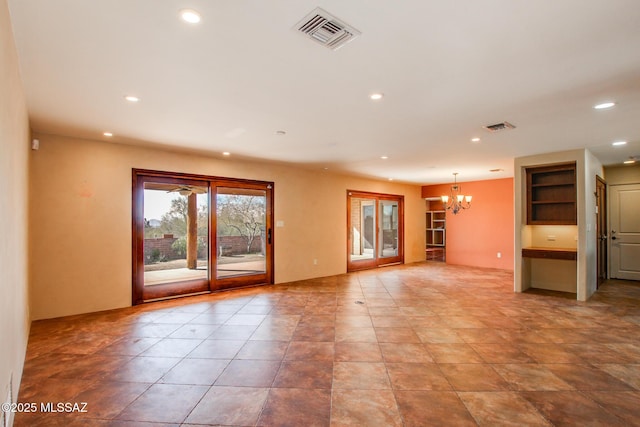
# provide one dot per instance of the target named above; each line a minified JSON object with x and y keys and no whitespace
{"x":625,"y":231}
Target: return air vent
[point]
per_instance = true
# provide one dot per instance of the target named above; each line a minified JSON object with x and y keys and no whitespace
{"x":499,"y":126}
{"x":324,"y":28}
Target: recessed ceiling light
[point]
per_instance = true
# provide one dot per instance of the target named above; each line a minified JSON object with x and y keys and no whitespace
{"x":630,"y":161}
{"x":132,"y":98}
{"x":604,"y":105}
{"x":384,"y":157}
{"x":281,"y":132}
{"x":496,"y":170}
{"x":376,"y":96}
{"x":390,"y":179}
{"x":619,"y":143}
{"x":226,"y":153}
{"x":190,"y":16}
{"x":109,"y":134}
{"x":475,"y":139}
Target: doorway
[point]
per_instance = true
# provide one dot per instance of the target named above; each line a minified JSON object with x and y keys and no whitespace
{"x":196,"y":234}
{"x":601,"y":230}
{"x":375,"y":224}
{"x":625,"y":231}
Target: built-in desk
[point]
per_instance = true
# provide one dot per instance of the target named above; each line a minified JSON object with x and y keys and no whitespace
{"x":551,"y":253}
{"x":550,"y":268}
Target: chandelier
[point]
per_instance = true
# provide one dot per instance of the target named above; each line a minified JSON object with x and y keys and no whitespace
{"x":456,"y":202}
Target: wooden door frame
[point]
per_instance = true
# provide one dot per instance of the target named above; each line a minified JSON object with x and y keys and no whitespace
{"x":602,"y":231}
{"x":139,"y":177}
{"x":377,"y":261}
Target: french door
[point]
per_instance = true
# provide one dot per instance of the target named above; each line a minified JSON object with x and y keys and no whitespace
{"x":375,"y":224}
{"x":195,"y":234}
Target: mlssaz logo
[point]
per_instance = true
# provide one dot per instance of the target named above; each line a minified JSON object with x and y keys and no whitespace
{"x":63,"y":407}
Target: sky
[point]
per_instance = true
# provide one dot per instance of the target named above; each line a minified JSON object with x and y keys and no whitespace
{"x":157,"y":202}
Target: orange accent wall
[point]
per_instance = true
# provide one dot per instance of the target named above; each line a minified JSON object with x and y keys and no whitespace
{"x":475,"y":236}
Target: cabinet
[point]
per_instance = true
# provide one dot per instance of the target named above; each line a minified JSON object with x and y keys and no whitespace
{"x":551,"y":195}
{"x":436,"y":228}
{"x":553,"y":269}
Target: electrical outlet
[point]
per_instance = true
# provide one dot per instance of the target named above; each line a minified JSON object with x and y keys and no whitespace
{"x":499,"y":255}
{"x":315,"y":261}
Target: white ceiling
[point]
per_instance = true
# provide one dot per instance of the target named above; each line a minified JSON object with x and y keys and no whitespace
{"x":446,"y":68}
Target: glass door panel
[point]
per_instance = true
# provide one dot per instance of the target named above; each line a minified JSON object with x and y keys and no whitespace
{"x":170,"y":237}
{"x":362,"y":229}
{"x":388,"y":228}
{"x":176,"y":230}
{"x":241,"y":236}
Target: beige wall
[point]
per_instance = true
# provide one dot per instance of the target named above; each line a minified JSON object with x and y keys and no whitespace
{"x":627,"y":174}
{"x":81,"y":219}
{"x":14,"y":145}
{"x":588,"y":264}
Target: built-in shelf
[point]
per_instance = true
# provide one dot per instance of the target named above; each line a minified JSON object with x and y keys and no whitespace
{"x":436,"y":228}
{"x":551,"y":195}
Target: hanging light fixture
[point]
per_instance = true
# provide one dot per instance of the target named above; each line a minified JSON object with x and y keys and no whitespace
{"x":456,"y":201}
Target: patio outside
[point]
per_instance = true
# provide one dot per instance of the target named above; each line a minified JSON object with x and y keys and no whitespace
{"x":176,"y":244}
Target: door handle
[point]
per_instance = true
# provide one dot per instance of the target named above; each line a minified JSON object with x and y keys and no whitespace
{"x":269,"y":236}
{"x":613,"y":237}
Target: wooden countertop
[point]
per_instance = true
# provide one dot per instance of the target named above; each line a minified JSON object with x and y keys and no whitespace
{"x":550,"y":253}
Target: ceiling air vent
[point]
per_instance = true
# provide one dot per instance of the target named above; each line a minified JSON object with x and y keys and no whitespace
{"x":499,"y":126}
{"x":324,"y":28}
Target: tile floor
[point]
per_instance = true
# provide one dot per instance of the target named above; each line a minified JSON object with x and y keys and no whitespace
{"x":416,"y":345}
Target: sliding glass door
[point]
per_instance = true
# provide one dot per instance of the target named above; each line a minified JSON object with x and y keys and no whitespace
{"x":243,"y":234}
{"x":375,"y":234}
{"x":195,"y":234}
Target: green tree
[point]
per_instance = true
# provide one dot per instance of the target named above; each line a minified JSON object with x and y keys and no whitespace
{"x":180,"y":246}
{"x":175,"y":221}
{"x":241,"y":215}
{"x":150,"y":231}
